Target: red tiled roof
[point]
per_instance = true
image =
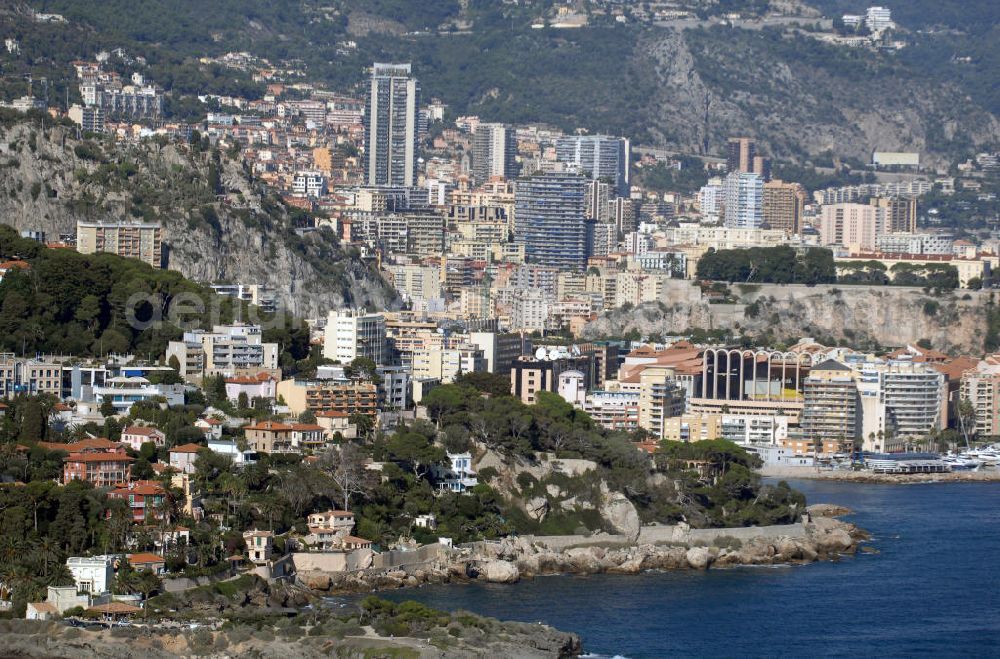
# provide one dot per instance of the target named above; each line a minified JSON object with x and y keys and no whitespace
{"x":44,"y":607}
{"x":353,"y":539}
{"x":144,"y":558}
{"x":272,"y":426}
{"x":145,"y":488}
{"x":98,"y":457}
{"x":146,"y":431}
{"x":251,"y":379}
{"x":84,"y":445}
{"x":306,"y":426}
{"x":954,"y":369}
{"x":187,"y":448}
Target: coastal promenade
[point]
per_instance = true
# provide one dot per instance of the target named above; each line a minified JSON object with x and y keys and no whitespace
{"x":981,"y":476}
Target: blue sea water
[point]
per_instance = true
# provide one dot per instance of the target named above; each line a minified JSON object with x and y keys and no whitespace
{"x":934,"y":589}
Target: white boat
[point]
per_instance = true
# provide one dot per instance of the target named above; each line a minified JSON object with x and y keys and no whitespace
{"x":988,"y":456}
{"x":961,"y":463}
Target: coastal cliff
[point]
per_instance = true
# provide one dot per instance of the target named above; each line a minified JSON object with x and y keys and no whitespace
{"x":878,"y":315}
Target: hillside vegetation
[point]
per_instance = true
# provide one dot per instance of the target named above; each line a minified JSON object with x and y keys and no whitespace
{"x":688,"y":89}
{"x":73,"y":304}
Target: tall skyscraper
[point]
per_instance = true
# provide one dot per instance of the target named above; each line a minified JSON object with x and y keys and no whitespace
{"x":783,"y":205}
{"x":742,"y":156}
{"x":900,"y":213}
{"x":621,"y":211}
{"x":549,"y":216}
{"x":740,"y":152}
{"x":744,"y":198}
{"x":599,"y":157}
{"x":762,"y":167}
{"x":494,"y":152}
{"x":391,"y":126}
{"x":598,"y":195}
{"x":854,"y":226}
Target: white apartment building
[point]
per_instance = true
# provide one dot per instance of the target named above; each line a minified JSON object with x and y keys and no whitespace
{"x":124,"y":391}
{"x":614,"y":410}
{"x":530,"y":310}
{"x":228,"y":350}
{"x":446,"y":364}
{"x":638,"y":242}
{"x":755,"y":429}
{"x":900,"y":401}
{"x":256,"y":294}
{"x":499,"y":350}
{"x":725,"y":237}
{"x":914,"y":243}
{"x":417,"y":282}
{"x":710,"y":199}
{"x":878,"y":19}
{"x":351,"y":333}
{"x":744,"y":199}
{"x":310,"y":184}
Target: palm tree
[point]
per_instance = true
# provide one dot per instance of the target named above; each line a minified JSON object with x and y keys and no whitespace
{"x":235,"y":488}
{"x":146,"y":582}
{"x":46,"y":551}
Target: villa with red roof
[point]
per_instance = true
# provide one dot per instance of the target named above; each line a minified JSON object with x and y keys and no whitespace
{"x":144,"y":499}
{"x":136,"y":436}
{"x":103,"y":469}
{"x":270,"y":437}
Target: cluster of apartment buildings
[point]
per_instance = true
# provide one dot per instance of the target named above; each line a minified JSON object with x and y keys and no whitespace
{"x":809,"y":400}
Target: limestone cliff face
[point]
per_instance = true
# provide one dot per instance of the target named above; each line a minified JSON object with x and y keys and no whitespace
{"x":219,"y":225}
{"x":888,"y":316}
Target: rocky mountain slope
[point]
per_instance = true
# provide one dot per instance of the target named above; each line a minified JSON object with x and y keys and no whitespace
{"x":219,"y":226}
{"x":685,"y":84}
{"x":799,"y":97}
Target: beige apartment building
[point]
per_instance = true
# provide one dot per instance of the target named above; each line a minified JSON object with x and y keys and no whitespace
{"x":981,"y":387}
{"x":132,"y":240}
{"x":660,"y":398}
{"x":692,"y":427}
{"x":783,"y":205}
{"x":329,"y":396}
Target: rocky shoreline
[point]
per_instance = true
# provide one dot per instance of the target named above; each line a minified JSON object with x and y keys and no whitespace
{"x":467,"y":636}
{"x":820,"y":537}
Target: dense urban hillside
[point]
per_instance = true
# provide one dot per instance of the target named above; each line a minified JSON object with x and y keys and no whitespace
{"x":685,"y":85}
{"x":219,"y":226}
